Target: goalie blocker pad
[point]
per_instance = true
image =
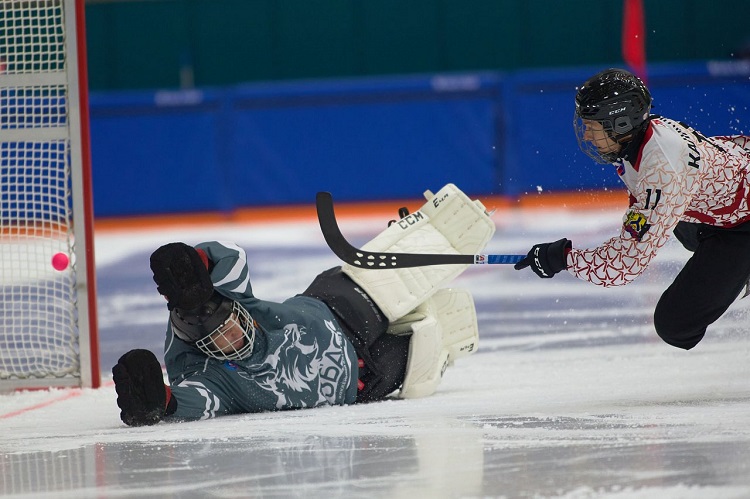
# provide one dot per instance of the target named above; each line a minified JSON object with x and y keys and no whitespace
{"x":444,"y":329}
{"x":449,"y":223}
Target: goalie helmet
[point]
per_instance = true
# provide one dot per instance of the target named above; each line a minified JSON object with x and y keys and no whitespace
{"x":619,"y":101}
{"x":221,"y":328}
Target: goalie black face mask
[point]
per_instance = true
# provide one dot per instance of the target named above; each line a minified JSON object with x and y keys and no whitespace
{"x":221,"y":328}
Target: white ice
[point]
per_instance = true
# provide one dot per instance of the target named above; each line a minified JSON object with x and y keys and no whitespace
{"x":571,"y":394}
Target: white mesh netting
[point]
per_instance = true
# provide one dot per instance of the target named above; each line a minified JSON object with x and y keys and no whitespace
{"x":38,"y":320}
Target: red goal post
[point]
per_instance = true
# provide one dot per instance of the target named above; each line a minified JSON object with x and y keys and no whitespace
{"x":48,"y":326}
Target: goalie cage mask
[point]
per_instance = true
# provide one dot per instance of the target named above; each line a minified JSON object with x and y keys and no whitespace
{"x":618,"y":100}
{"x":212,"y":328}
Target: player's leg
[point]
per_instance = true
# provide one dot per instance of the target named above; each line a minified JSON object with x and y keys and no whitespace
{"x":442,"y":329}
{"x":419,"y":347}
{"x":687,"y":233}
{"x":362,"y":320}
{"x":383,"y":368}
{"x":705,"y":288}
{"x":382,"y":356}
{"x":449,"y":223}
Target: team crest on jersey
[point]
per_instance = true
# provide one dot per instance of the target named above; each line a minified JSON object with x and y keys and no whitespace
{"x":635,"y":224}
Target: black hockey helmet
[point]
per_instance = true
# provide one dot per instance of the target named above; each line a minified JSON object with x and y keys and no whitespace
{"x":618,"y":100}
{"x":202,"y":325}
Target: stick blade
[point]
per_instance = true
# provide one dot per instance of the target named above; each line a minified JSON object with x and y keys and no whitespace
{"x":366,"y":259}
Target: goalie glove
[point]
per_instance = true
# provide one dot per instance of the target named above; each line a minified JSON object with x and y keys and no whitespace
{"x":142,"y":396}
{"x":547,"y":259}
{"x":181,"y":274}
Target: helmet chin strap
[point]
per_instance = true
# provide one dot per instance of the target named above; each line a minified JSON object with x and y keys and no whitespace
{"x":623,"y":141}
{"x":627,"y":142}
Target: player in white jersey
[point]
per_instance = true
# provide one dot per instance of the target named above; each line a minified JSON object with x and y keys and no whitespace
{"x":679,"y":181}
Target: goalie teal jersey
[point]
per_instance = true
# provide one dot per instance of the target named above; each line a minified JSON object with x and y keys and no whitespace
{"x":301,"y":357}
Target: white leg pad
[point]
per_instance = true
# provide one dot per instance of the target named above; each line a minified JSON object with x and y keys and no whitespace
{"x":449,"y":223}
{"x":448,"y":331}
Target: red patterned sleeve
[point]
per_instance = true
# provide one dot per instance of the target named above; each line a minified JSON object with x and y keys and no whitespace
{"x":658,"y":200}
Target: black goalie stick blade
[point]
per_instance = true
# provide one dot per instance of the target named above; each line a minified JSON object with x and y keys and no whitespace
{"x":372,"y":260}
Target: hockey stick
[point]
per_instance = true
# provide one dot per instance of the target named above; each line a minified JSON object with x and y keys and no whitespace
{"x":366,"y":259}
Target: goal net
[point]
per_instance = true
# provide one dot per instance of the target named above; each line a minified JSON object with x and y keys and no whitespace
{"x":47,"y":316}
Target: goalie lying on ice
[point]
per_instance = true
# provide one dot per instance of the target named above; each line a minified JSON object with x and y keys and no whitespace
{"x":353,"y":335}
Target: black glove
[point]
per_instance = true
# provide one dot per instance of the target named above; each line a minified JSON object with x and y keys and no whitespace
{"x":182,"y":276}
{"x":141,"y":393}
{"x":547,"y":259}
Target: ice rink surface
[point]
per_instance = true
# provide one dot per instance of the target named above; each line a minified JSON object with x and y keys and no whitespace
{"x":571,"y":394}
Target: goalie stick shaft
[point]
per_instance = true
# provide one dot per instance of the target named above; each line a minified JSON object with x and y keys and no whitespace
{"x":374,"y":260}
